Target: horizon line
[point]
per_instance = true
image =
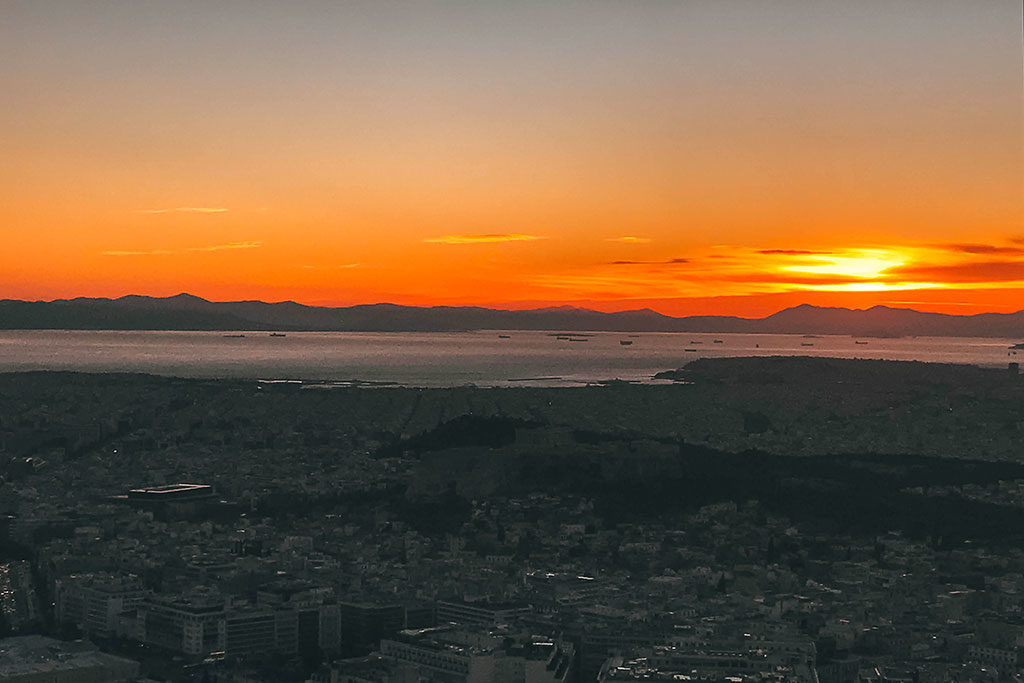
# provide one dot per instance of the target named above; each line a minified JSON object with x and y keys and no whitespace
{"x":497,"y":308}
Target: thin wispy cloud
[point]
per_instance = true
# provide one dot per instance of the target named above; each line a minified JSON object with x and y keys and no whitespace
{"x":186,"y":209}
{"x":793,"y":252}
{"x":629,"y":239}
{"x":762,"y":277}
{"x":747,"y":270}
{"x":229,"y":245}
{"x":483,"y":239}
{"x":669,"y":262}
{"x":978,"y":271}
{"x":186,"y":250}
{"x":342,"y":266}
{"x":981,"y":248}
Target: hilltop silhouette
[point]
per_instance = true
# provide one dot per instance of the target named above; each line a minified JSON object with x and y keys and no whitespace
{"x":188,"y":312}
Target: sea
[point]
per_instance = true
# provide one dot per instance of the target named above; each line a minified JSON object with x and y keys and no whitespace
{"x":486,"y":358}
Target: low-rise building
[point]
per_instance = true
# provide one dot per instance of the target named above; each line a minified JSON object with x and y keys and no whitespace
{"x":37,"y":659}
{"x":473,"y":657}
{"x":94,"y":602}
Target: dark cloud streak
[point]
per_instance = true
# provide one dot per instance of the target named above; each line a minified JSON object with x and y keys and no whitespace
{"x":981,"y":248}
{"x":794,"y":252}
{"x":977,"y":271}
{"x":669,"y":262}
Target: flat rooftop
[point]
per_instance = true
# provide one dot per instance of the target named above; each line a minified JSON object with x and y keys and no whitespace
{"x":172,"y":489}
{"x":36,"y":656}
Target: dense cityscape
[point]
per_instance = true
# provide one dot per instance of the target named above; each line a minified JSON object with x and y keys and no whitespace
{"x":786,"y":520}
{"x":546,"y":341}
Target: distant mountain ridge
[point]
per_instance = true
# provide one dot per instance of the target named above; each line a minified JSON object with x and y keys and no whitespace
{"x":188,"y":312}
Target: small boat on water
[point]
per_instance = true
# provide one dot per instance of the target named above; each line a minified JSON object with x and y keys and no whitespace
{"x":625,"y":342}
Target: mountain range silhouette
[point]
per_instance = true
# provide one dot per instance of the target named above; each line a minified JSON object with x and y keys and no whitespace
{"x":189,"y":312}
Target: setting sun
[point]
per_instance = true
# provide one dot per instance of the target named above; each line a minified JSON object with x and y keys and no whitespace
{"x":865,"y":264}
{"x":663,"y":155}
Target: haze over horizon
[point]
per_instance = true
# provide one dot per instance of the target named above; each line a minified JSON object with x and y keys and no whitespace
{"x":540,"y":306}
{"x":729,"y":158}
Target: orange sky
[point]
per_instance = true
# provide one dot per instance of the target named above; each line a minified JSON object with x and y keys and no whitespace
{"x":705,"y":157}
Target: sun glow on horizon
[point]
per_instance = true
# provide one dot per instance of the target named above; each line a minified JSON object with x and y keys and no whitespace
{"x":873,"y":286}
{"x":464,"y":154}
{"x":867,"y":264}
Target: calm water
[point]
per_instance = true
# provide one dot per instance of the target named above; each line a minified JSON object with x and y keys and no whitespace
{"x":449,"y":359}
